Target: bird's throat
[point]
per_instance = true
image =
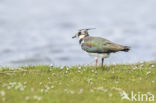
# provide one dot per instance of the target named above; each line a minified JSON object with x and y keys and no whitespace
{"x":80,"y":41}
{"x":81,"y":36}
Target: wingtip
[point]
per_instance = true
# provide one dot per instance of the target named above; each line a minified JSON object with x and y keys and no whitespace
{"x":126,"y":48}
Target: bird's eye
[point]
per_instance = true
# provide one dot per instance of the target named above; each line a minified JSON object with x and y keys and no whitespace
{"x":79,"y":33}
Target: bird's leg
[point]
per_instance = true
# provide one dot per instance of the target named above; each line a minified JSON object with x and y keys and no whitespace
{"x":102,"y":62}
{"x":96,"y":59}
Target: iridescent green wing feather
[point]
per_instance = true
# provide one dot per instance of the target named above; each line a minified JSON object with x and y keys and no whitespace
{"x":100,"y":45}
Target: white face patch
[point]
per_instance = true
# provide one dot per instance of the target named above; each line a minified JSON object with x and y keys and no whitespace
{"x":81,"y":36}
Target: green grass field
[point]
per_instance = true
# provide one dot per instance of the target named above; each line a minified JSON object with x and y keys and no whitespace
{"x":77,"y":84}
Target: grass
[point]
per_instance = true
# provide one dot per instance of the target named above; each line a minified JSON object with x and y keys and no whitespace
{"x":77,"y":84}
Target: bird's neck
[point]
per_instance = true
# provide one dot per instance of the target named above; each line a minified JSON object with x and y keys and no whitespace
{"x":82,"y":39}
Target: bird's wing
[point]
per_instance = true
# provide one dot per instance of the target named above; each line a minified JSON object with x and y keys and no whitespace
{"x":100,"y":45}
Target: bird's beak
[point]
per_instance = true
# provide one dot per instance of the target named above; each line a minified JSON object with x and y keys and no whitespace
{"x":74,"y":37}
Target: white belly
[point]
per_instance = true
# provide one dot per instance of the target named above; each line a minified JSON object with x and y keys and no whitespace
{"x":102,"y":55}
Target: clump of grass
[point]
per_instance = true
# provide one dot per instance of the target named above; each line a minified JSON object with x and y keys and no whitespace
{"x":76,"y":84}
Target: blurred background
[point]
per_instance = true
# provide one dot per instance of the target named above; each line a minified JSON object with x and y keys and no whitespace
{"x":40,"y":31}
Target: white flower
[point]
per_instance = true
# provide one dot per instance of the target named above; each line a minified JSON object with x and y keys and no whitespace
{"x":9,"y":87}
{"x":2,"y":93}
{"x":25,"y":82}
{"x":92,"y":70}
{"x":110,"y":94}
{"x":65,"y":90}
{"x":3,"y":99}
{"x":37,"y":98}
{"x":152,"y":66}
{"x":18,"y":85}
{"x":47,"y":87}
{"x":134,"y":68}
{"x":67,"y":68}
{"x":32,"y":89}
{"x":72,"y":92}
{"x":141,"y":65}
{"x":27,"y":98}
{"x":80,"y":91}
{"x":66,"y":72}
{"x":79,"y":68}
{"x":12,"y":84}
{"x":40,"y":83}
{"x":149,"y":93}
{"x":69,"y":91}
{"x":46,"y":90}
{"x":105,"y":90}
{"x":100,"y":88}
{"x":148,"y":72}
{"x":79,"y":71}
{"x":41,"y":90}
{"x":89,"y":80}
{"x":116,"y":82}
{"x":52,"y":87}
{"x":22,"y":89}
{"x":51,"y":65}
{"x":62,"y":68}
{"x":53,"y":74}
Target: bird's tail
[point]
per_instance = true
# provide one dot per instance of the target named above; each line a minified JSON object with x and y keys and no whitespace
{"x":126,"y":48}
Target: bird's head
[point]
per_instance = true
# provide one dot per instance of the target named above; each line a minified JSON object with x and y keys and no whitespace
{"x":82,"y":33}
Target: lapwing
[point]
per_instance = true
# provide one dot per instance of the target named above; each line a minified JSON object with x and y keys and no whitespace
{"x":98,"y":47}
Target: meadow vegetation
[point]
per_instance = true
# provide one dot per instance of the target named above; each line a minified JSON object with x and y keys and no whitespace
{"x":76,"y":84}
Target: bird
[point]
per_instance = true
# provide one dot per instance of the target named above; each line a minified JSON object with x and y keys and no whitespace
{"x":98,"y":47}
